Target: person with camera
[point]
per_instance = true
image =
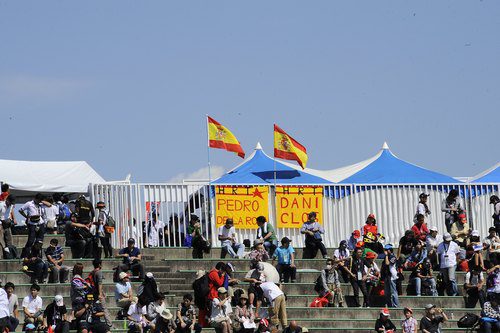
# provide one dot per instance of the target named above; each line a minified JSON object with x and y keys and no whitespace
{"x":355,"y":268}
{"x":104,"y":230}
{"x":448,"y":252}
{"x":460,"y":231}
{"x":389,"y":274}
{"x":422,"y":275}
{"x":55,"y":317}
{"x":132,"y":260}
{"x":7,"y":221}
{"x":90,"y":317}
{"x":451,"y":206}
{"x":32,"y":211}
{"x":314,"y":240}
{"x":431,"y":322}
{"x":33,"y":264}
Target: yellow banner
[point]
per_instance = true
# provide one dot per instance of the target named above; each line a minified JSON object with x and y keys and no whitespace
{"x":293,"y":203}
{"x":241,"y":203}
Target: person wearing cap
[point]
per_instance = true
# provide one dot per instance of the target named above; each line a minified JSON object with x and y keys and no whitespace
{"x":383,"y":323}
{"x":495,"y":201}
{"x":313,"y":231}
{"x":244,"y":317}
{"x":104,"y":230}
{"x":431,"y":322}
{"x":422,"y":207}
{"x":490,"y":315}
{"x":460,"y":231}
{"x":286,"y":261}
{"x":371,"y":275}
{"x":221,"y":310}
{"x":409,"y":324}
{"x":329,"y":284}
{"x":255,"y":276}
{"x":474,"y":284}
{"x":186,"y":316}
{"x":259,"y":252}
{"x":132,"y":258}
{"x":266,"y":233}
{"x":123,"y":291}
{"x":448,"y":252}
{"x":451,"y":206}
{"x":32,"y":306}
{"x":431,"y":243}
{"x":55,"y":257}
{"x":420,"y":228}
{"x":275,"y":296}
{"x":227,"y":237}
{"x":263,"y":326}
{"x":33,"y":264}
{"x":55,"y":316}
{"x":389,"y":274}
{"x":371,"y":236}
{"x":355,"y":268}
{"x":354,"y":239}
{"x":422,"y":275}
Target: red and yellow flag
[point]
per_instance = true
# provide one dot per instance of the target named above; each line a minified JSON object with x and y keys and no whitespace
{"x":287,"y":148}
{"x":222,"y":138}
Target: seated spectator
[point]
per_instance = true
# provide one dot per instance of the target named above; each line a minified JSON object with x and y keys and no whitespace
{"x":123,"y":291}
{"x":244,"y":318}
{"x":13,"y":305}
{"x":409,"y":324}
{"x":492,"y":247}
{"x":55,"y":316}
{"x":422,"y":276}
{"x":198,"y":242}
{"x":353,"y":240}
{"x":420,"y":228}
{"x":4,"y":310}
{"x":91,"y":317}
{"x":55,"y":256}
{"x":293,"y":327}
{"x":330,"y":284}
{"x":418,"y":254}
{"x":132,"y":260}
{"x":34,"y":265}
{"x":264,"y":326}
{"x":230,"y":282}
{"x":32,"y":307}
{"x":79,"y":288}
{"x":355,"y":267}
{"x":493,"y":282}
{"x":371,"y":236}
{"x":255,"y":276}
{"x":383,"y":323}
{"x":258,"y":253}
{"x":154,"y":309}
{"x":186,"y":316}
{"x":227,"y":237}
{"x":165,"y":322}
{"x":136,"y":316}
{"x":432,"y":320}
{"x":474,"y":287}
{"x":407,"y":244}
{"x":342,"y":253}
{"x":286,"y":261}
{"x":149,"y":289}
{"x":490,"y":316}
{"x":371,"y":275}
{"x":460,"y":231}
{"x":474,"y":253}
{"x":221,"y":309}
{"x":431,"y":243}
{"x":314,"y":241}
{"x":266,"y":233}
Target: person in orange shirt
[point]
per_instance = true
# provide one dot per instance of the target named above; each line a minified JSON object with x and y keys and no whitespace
{"x":371,"y":235}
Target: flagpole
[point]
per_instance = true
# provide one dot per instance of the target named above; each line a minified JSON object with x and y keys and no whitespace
{"x":208,"y":153}
{"x":274,"y":158}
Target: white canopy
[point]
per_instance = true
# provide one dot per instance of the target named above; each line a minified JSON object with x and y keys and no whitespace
{"x":66,"y":177}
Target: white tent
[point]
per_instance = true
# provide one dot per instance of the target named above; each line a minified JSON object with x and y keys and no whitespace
{"x":30,"y":176}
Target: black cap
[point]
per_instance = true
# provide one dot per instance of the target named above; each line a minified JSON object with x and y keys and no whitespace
{"x":494,"y":199}
{"x":194,"y":217}
{"x":423,"y":195}
{"x":131,"y":241}
{"x":286,"y":240}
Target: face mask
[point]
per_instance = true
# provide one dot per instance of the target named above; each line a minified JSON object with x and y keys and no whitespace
{"x":328,"y":267}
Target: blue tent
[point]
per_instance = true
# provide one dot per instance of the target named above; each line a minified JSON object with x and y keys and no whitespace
{"x":258,"y":169}
{"x":491,"y":175}
{"x":386,"y":168}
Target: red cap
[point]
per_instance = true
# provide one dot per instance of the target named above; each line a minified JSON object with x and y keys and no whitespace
{"x":360,"y":244}
{"x":264,"y":322}
{"x":371,"y":255}
{"x":356,"y":233}
{"x":462,"y":216}
{"x":372,"y":216}
{"x":385,"y":312}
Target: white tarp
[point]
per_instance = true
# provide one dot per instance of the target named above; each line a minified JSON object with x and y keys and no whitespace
{"x":30,"y":176}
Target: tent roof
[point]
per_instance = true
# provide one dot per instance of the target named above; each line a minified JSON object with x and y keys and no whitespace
{"x":492,"y":175}
{"x":258,"y":169}
{"x":30,"y":176}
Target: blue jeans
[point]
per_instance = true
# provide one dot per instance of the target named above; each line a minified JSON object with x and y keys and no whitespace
{"x":487,"y":326}
{"x":233,"y":250}
{"x":418,"y":285}
{"x":271,"y":246}
{"x":449,"y":280}
{"x":391,"y":293}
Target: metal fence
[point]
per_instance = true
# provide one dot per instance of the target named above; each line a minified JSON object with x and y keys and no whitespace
{"x":345,"y":208}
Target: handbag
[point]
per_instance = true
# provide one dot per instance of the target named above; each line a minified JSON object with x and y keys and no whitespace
{"x":188,"y":241}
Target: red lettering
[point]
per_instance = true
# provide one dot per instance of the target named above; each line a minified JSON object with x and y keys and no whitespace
{"x":283,"y":202}
{"x":295,"y":203}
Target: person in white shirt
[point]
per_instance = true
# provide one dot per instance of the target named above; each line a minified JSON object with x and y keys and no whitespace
{"x":13,"y":304}
{"x":448,"y":252}
{"x":276,"y":297}
{"x":50,"y":215}
{"x":221,"y":309}
{"x":136,"y":315}
{"x":431,"y":243}
{"x":422,"y":207}
{"x":7,"y":221}
{"x":155,"y":231}
{"x":33,"y":212}
{"x":473,"y":285}
{"x":227,"y":237}
{"x":32,"y":306}
{"x":4,"y":310}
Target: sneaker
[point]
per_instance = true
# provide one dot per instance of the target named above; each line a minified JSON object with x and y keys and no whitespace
{"x":326,"y":257}
{"x":7,"y":250}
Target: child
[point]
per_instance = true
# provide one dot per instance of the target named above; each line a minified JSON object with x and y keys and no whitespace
{"x":186,"y":316}
{"x":409,"y":324}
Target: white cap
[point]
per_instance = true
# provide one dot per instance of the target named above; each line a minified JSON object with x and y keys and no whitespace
{"x":475,"y":233}
{"x":447,"y":237}
{"x":433,"y":228}
{"x":149,"y":275}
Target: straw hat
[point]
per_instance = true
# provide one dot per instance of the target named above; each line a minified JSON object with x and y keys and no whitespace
{"x":165,"y":314}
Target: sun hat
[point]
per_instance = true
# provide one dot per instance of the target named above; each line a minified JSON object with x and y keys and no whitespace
{"x":149,"y":275}
{"x":423,"y":195}
{"x":165,"y":313}
{"x":410,"y":310}
{"x":222,"y":290}
{"x":258,"y":241}
{"x":474,"y":233}
{"x":122,"y":275}
{"x":244,"y":294}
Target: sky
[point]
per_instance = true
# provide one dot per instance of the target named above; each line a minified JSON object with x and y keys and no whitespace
{"x":125,"y":85}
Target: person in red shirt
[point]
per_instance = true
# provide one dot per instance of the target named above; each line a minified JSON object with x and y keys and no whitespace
{"x":371,"y":236}
{"x":216,"y":279}
{"x":420,"y":228}
{"x":370,"y":226}
{"x":5,"y":192}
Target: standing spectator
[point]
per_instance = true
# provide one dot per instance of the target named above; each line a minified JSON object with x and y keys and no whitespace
{"x":97,"y":278}
{"x":201,"y":292}
{"x":491,"y":310}
{"x":432,"y":241}
{"x":7,"y":221}
{"x":266,"y":233}
{"x":420,"y":228}
{"x":286,"y":261}
{"x":495,"y":201}
{"x":132,"y":260}
{"x":32,"y":211}
{"x":13,"y":306}
{"x":451,"y":207}
{"x":293,"y":328}
{"x":244,"y":315}
{"x":371,"y":275}
{"x":198,"y":242}
{"x":221,"y":310}
{"x":330,"y":284}
{"x":448,"y":252}
{"x":355,"y":267}
{"x":84,"y":211}
{"x":123,"y":291}
{"x":5,"y":191}
{"x":314,"y":241}
{"x":55,"y":256}
{"x":227,"y":237}
{"x":432,"y":320}
{"x":186,"y":316}
{"x":103,"y":229}
{"x":155,"y":231}
{"x":390,"y":276}
{"x":354,"y":239}
{"x":422,"y":275}
{"x":78,"y":237}
{"x":409,"y":324}
{"x":4,"y":310}
{"x":34,"y":265}
{"x":84,"y":214}
{"x":55,"y":316}
{"x":474,"y":287}
{"x":422,"y":207}
{"x":50,"y":215}
{"x":275,"y":296}
{"x":383,"y":323}
{"x":216,"y":279}
{"x":32,"y":306}
{"x":258,"y":253}
{"x":460,"y":231}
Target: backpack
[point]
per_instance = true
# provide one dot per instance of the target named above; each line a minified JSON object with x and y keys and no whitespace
{"x":318,"y":285}
{"x":469,"y":320}
{"x":12,"y":254}
{"x":64,"y":212}
{"x":201,"y":291}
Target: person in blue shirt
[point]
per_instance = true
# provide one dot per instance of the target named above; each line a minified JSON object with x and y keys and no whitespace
{"x":286,"y":261}
{"x":132,"y":260}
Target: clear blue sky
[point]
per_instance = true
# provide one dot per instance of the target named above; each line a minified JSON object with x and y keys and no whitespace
{"x":125,"y":85}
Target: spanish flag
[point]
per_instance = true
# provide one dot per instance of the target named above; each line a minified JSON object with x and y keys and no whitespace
{"x":287,"y":148}
{"x":222,"y":138}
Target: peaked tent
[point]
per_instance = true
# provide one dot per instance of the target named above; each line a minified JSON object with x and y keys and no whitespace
{"x":31,"y":177}
{"x":492,"y":175}
{"x":258,"y":169}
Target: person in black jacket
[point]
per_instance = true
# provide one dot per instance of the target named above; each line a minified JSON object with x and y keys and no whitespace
{"x":149,"y":289}
{"x":383,"y":323}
